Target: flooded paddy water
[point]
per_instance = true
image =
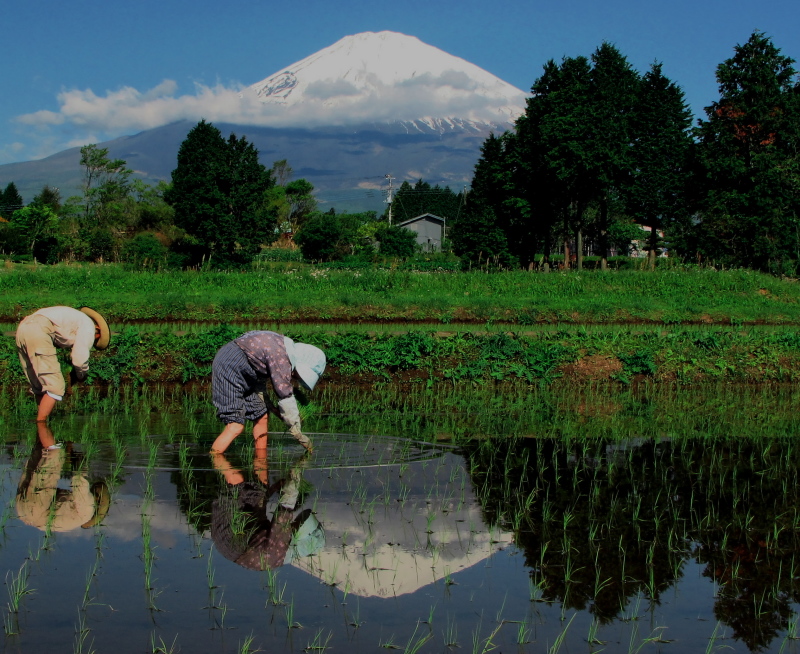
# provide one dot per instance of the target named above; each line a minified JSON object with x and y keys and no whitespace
{"x":428,"y":519}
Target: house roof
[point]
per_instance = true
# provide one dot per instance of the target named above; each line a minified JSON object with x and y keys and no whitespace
{"x":425,"y":216}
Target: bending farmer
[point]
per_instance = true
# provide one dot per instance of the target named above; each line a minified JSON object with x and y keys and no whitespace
{"x":239,"y":375}
{"x":41,"y":333}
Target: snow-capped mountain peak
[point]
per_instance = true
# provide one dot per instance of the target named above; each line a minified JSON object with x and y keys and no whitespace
{"x":387,"y":76}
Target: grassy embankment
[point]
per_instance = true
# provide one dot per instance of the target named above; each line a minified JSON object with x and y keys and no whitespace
{"x":684,"y":325}
{"x":299,"y":293}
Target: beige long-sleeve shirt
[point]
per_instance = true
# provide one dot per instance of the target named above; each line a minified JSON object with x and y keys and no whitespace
{"x":73,"y":329}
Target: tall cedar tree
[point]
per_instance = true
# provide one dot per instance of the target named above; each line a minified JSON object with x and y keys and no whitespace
{"x":481,"y":233}
{"x":661,"y":146}
{"x":747,"y":153}
{"x":612,"y":106}
{"x":554,"y":176}
{"x":218,"y":195}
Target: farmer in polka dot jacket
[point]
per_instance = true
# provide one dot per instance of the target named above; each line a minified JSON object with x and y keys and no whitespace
{"x":238,"y":384}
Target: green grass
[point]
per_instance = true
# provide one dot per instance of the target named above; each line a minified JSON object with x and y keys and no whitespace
{"x":302,"y":293}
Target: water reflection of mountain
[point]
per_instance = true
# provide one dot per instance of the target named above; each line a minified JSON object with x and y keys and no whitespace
{"x":397,"y":516}
{"x":601,"y":522}
{"x":388,"y":549}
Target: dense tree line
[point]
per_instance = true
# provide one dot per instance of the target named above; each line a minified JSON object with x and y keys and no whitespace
{"x":220,"y":208}
{"x":602,"y":149}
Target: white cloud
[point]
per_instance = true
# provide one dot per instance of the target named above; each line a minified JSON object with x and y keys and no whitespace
{"x":41,"y":118}
{"x":455,"y":79}
{"x":84,"y":116}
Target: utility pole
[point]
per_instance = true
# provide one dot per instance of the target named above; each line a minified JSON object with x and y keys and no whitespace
{"x":389,"y":197}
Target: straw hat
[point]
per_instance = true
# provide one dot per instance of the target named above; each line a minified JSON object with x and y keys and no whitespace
{"x":105,"y":332}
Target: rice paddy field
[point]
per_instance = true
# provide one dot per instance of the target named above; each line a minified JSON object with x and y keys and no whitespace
{"x":526,"y":462}
{"x":503,"y":517}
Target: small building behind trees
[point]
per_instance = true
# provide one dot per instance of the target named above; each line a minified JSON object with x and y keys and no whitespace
{"x":430,"y":231}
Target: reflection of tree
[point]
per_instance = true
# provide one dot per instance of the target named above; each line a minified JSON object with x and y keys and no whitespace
{"x":749,"y":577}
{"x":602,"y":521}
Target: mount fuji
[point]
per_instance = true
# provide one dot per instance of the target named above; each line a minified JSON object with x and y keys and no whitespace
{"x":370,"y":105}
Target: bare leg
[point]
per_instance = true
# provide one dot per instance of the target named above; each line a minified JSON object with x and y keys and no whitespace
{"x":260,"y":433}
{"x":261,"y":466}
{"x":231,"y":431}
{"x":46,"y":437}
{"x":231,"y":474}
{"x":46,"y":406}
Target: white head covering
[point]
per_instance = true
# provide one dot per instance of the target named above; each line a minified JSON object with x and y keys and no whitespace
{"x":309,"y":361}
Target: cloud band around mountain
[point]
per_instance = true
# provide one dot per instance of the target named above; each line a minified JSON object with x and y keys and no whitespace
{"x":335,"y":102}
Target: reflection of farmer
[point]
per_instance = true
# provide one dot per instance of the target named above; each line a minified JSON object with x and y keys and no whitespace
{"x":239,"y":374}
{"x":41,"y":333}
{"x":244,"y":532}
{"x":42,"y":504}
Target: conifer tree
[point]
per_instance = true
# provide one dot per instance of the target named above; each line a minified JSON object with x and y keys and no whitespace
{"x":655,"y":192}
{"x":747,"y":153}
{"x":611,"y":107}
{"x":483,"y":231}
{"x":10,"y":200}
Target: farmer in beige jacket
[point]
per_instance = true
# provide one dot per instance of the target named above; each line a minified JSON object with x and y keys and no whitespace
{"x":41,"y":333}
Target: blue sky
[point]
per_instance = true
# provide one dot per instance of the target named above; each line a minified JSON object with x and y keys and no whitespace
{"x":86,"y":50}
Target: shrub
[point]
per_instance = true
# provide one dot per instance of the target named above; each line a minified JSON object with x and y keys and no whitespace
{"x":324,"y":238}
{"x":396,"y":241}
{"x":144,"y":251}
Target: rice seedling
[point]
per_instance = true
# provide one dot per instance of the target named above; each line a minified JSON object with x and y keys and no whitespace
{"x":82,"y":633}
{"x":481,"y":644}
{"x":523,"y":633}
{"x":222,"y":607}
{"x":559,"y":641}
{"x":450,"y":635}
{"x":592,"y":638}
{"x":245,"y":647}
{"x":318,"y":643}
{"x":17,"y":586}
{"x":210,"y":571}
{"x":8,"y":510}
{"x":10,"y":623}
{"x":161,"y":647}
{"x":87,"y":587}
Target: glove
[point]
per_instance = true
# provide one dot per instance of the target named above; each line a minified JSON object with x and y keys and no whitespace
{"x":77,"y":376}
{"x":301,"y":438}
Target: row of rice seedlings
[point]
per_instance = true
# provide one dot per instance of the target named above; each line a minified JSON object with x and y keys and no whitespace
{"x":466,"y":413}
{"x":148,"y":549}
